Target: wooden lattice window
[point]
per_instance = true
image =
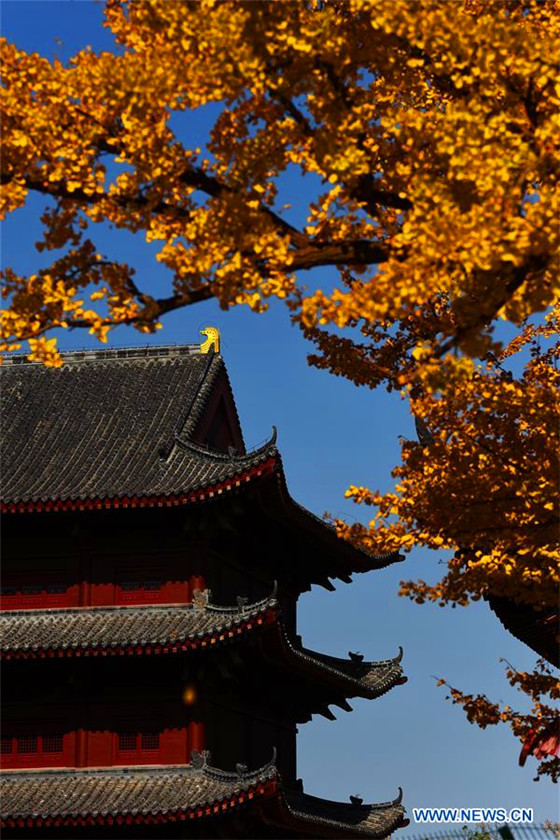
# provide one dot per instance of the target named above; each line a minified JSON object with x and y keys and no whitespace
{"x":127,"y":741}
{"x":35,"y":590}
{"x":137,"y":747}
{"x":32,"y":751}
{"x":27,"y":745}
{"x":149,"y":741}
{"x":52,"y":743}
{"x":131,"y":585}
{"x":55,"y":588}
{"x":30,"y":589}
{"x":138,"y":587}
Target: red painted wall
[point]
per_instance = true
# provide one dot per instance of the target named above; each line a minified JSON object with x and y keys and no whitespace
{"x":135,"y":586}
{"x":37,"y":590}
{"x":105,"y":748}
{"x":37,"y":751}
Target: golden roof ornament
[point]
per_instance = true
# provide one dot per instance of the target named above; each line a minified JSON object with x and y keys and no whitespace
{"x":212,"y":340}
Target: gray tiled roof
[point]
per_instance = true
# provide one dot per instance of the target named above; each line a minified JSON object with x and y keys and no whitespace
{"x":373,"y":678}
{"x":358,"y":820}
{"x":110,"y":424}
{"x":112,"y":627}
{"x":144,"y":792}
{"x":119,"y":424}
{"x":538,"y":630}
{"x":28,"y":633}
{"x":135,"y":790}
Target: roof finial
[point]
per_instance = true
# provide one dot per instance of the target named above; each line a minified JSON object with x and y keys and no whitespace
{"x":212,"y":340}
{"x":357,"y":658}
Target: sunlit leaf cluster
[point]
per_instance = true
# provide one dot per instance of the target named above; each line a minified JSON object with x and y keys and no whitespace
{"x":538,"y":729}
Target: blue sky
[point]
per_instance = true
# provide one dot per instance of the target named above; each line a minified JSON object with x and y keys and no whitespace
{"x":331,"y":434}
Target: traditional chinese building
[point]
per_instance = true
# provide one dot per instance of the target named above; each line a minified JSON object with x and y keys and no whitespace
{"x":153,"y":678}
{"x":538,"y":630}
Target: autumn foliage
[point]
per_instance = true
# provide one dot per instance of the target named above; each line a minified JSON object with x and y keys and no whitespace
{"x":426,"y":132}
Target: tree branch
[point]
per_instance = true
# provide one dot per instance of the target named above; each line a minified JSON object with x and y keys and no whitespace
{"x":534,"y":263}
{"x":348,"y":252}
{"x":366,"y":192}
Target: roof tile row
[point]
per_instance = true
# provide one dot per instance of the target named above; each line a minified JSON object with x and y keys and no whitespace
{"x":181,"y":627}
{"x":109,"y":426}
{"x":180,"y":792}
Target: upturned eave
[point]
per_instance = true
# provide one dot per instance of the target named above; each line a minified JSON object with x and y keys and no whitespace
{"x":195,"y":628}
{"x":140,"y":795}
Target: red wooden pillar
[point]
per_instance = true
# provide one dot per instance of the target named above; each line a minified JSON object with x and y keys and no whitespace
{"x":84,"y":594}
{"x":196,"y":739}
{"x":81,"y":748}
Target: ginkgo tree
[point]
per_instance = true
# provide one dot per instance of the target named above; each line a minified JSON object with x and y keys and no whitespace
{"x":427,"y":131}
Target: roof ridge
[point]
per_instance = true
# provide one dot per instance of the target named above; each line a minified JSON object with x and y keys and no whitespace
{"x":203,"y":395}
{"x":110,"y":353}
{"x":363,"y":807}
{"x":199,"y":765}
{"x":268,"y":447}
{"x":241,"y":607}
{"x":355,"y":667}
{"x":198,"y":402}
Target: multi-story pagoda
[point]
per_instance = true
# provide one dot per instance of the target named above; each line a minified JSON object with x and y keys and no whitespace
{"x":153,"y":676}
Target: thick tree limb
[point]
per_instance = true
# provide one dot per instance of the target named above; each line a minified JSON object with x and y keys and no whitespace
{"x":356,"y":252}
{"x":367,"y":192}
